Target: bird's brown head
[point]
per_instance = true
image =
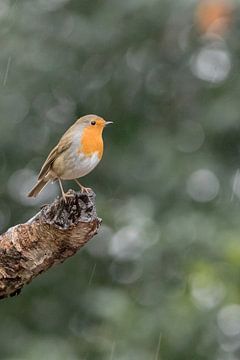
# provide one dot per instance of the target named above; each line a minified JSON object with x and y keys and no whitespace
{"x":93,"y":123}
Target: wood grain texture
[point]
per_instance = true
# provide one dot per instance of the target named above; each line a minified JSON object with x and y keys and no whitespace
{"x":57,"y":232}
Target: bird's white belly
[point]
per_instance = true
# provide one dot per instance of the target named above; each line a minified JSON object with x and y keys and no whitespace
{"x":80,"y":165}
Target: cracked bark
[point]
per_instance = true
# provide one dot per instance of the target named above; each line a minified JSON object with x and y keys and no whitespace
{"x":57,"y":232}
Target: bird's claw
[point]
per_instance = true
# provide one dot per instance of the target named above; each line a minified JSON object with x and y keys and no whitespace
{"x":85,"y":189}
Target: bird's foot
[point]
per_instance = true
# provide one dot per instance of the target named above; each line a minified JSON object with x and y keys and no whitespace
{"x":67,"y":195}
{"x":83,"y":188}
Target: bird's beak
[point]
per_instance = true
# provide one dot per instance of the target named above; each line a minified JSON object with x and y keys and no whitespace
{"x":108,"y":122}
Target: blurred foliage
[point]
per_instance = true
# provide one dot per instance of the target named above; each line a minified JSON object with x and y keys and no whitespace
{"x":161,"y":280}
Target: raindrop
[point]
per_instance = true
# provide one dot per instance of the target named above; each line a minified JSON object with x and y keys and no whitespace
{"x":211,"y":64}
{"x":206,"y":293}
{"x":21,"y":182}
{"x":191,"y":137}
{"x":126,"y":272}
{"x":203,"y":185}
{"x":229,"y":320}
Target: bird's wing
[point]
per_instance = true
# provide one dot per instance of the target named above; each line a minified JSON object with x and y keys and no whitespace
{"x":62,"y":146}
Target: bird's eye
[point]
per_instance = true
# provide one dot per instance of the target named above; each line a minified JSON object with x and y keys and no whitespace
{"x":93,"y":122}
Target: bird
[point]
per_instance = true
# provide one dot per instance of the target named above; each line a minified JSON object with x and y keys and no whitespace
{"x":77,"y":153}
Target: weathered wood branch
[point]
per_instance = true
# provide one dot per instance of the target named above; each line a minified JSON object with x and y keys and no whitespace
{"x":57,"y":232}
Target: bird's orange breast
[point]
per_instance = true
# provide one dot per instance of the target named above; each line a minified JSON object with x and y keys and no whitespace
{"x":91,"y":141}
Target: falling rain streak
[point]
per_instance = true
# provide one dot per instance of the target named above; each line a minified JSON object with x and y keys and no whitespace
{"x":92,"y":274}
{"x":5,"y":76}
{"x":112,"y":350}
{"x":157,"y":355}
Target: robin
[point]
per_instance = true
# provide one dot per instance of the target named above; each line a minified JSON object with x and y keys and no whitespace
{"x":78,"y":152}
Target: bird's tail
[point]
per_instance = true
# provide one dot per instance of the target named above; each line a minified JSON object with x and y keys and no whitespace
{"x":38,"y":188}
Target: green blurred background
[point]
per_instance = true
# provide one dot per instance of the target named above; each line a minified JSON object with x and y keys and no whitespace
{"x":161,"y":280}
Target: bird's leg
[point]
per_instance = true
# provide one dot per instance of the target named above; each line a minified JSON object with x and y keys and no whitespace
{"x":83,"y":189}
{"x":63,"y":193}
